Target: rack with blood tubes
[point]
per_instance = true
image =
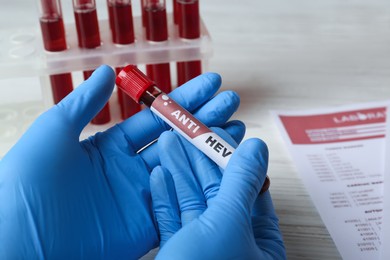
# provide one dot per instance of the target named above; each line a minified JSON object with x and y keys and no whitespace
{"x":188,"y":20}
{"x":118,"y":41}
{"x":88,"y":36}
{"x":54,"y":40}
{"x":156,"y":28}
{"x":120,"y":17}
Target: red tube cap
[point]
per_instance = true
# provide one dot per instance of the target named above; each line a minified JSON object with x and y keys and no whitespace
{"x":133,"y":82}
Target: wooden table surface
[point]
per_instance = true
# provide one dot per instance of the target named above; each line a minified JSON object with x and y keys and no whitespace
{"x":301,"y":54}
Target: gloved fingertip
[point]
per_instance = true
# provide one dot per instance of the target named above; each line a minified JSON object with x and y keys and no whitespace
{"x":157,"y":176}
{"x":104,"y":72}
{"x":160,"y":186}
{"x":236,"y":129}
{"x":166,"y":135}
{"x":214,"y":78}
{"x":164,"y":201}
{"x":236,"y":123}
{"x":218,"y":110}
{"x":260,"y":148}
{"x":225,"y":136}
{"x":232,"y":100}
{"x":161,"y":182}
{"x":81,"y":105}
{"x":195,"y":92}
{"x":167,"y":141}
{"x":245,"y":173}
{"x":235,"y":97}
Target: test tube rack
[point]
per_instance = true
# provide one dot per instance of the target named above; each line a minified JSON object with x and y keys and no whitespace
{"x":22,"y":51}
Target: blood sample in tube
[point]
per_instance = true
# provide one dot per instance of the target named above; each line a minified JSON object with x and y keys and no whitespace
{"x":53,"y":35}
{"x":122,"y":29}
{"x":120,"y":96}
{"x":156,"y":20}
{"x":143,"y":16}
{"x":175,"y":12}
{"x":86,"y":23}
{"x":187,"y":70}
{"x":103,"y":116}
{"x":189,"y":29}
{"x":157,"y":31}
{"x":127,"y":105}
{"x":142,"y":89}
{"x":89,"y":37}
{"x":121,"y":21}
{"x":52,"y":25}
{"x":61,"y":86}
{"x":189,"y":18}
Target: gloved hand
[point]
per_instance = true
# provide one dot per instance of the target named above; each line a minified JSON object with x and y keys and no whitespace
{"x":214,"y":216}
{"x":62,"y":198}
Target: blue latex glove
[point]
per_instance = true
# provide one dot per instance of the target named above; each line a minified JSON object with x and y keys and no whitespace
{"x":214,"y":216}
{"x":62,"y":198}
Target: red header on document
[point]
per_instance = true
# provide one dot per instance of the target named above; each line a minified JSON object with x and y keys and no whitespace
{"x":336,"y":127}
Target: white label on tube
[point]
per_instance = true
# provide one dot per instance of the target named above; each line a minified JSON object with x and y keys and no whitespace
{"x":193,"y":130}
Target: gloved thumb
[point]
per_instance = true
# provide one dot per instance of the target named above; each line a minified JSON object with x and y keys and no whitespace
{"x":81,"y":105}
{"x":244,"y":175}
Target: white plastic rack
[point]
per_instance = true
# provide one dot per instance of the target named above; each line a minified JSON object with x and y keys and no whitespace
{"x":22,"y":55}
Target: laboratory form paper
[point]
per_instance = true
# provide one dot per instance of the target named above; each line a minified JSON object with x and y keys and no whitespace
{"x":340,"y":155}
{"x":385,"y":236}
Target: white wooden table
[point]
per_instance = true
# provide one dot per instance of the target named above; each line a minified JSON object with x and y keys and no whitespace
{"x":299,"y":54}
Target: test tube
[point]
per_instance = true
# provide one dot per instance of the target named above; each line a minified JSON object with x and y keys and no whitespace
{"x":89,"y":37}
{"x":189,"y":28}
{"x":122,"y":29}
{"x":127,"y":105}
{"x":121,"y":21}
{"x":142,"y":89}
{"x":157,"y":31}
{"x":143,"y":16}
{"x":175,"y":12}
{"x":53,"y":35}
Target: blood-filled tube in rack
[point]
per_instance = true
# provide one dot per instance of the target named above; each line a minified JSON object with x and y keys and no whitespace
{"x":175,"y":12}
{"x":120,"y":17}
{"x":188,"y":20}
{"x":156,"y":29}
{"x":87,"y":26}
{"x":143,"y":16}
{"x":54,"y":40}
{"x":89,"y":37}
